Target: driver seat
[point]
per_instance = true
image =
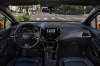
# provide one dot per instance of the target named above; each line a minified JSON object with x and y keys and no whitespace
{"x":25,"y":61}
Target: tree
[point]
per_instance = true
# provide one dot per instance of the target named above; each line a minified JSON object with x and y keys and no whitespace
{"x":37,"y":8}
{"x":27,"y":8}
{"x":20,"y":8}
{"x":71,"y":7}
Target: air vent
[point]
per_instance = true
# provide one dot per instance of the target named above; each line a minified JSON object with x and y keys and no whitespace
{"x":85,"y":34}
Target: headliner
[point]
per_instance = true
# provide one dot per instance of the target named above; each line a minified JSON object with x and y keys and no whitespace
{"x":50,"y":2}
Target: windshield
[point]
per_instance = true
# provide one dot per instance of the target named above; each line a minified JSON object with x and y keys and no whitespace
{"x":57,"y":13}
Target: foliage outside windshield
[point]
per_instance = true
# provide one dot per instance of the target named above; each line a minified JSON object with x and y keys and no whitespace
{"x":57,"y":13}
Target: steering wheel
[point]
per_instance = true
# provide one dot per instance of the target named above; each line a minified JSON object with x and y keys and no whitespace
{"x":27,"y":35}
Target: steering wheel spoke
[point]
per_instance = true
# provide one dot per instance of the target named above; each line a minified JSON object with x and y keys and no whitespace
{"x":26,"y":45}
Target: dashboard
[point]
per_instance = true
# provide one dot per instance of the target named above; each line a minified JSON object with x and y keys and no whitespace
{"x":57,"y":32}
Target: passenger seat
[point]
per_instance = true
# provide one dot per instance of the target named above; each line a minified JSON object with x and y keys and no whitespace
{"x":75,"y":61}
{"x":69,"y":54}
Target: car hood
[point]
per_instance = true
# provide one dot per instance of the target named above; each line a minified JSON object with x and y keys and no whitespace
{"x":50,"y":2}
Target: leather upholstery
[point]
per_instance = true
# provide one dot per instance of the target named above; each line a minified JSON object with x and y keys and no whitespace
{"x":75,"y":61}
{"x":25,"y":61}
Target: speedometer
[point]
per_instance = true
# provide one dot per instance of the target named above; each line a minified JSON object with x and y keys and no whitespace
{"x":24,"y":29}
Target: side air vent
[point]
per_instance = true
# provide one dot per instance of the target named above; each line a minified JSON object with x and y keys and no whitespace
{"x":85,"y":34}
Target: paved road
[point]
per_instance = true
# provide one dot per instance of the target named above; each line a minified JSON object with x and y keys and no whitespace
{"x":47,"y":16}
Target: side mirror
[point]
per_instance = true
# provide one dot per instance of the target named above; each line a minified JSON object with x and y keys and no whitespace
{"x":1,"y":25}
{"x":98,"y":25}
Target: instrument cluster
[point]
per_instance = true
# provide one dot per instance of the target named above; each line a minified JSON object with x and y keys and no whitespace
{"x":28,"y":29}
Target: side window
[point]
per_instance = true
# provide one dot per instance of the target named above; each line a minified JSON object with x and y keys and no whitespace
{"x":4,"y":22}
{"x":7,"y":24}
{"x":98,"y":21}
{"x":95,"y":23}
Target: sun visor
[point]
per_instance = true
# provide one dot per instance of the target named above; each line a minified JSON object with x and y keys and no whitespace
{"x":81,"y":2}
{"x":19,"y":2}
{"x":50,"y":2}
{"x":69,"y":2}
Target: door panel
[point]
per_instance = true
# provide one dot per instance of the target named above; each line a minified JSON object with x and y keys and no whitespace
{"x":4,"y":47}
{"x":96,"y":41}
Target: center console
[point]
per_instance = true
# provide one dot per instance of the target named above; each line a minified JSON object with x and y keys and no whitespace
{"x":51,"y":38}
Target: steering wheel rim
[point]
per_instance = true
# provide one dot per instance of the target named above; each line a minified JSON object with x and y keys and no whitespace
{"x":27,"y":46}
